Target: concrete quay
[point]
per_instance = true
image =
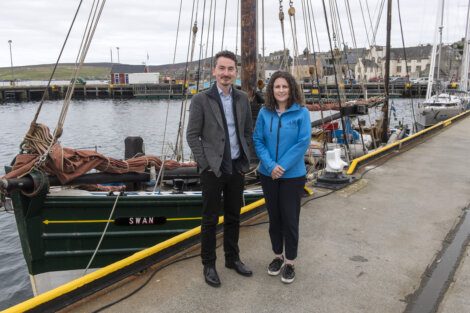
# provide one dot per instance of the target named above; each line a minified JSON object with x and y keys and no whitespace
{"x":365,"y":248}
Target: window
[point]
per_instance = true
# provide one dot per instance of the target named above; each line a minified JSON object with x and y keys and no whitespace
{"x":398,"y":69}
{"x":408,"y":69}
{"x":418,"y":68}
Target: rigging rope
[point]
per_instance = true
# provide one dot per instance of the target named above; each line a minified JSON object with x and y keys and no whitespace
{"x":313,"y":71}
{"x":365,"y":25}
{"x":262,"y":33}
{"x":314,"y":25}
{"x":370,"y":19}
{"x":204,"y":66}
{"x":406,"y":63}
{"x":236,"y":29}
{"x":56,"y":64}
{"x":177,"y":30}
{"x":86,"y":41}
{"x":213,"y":36}
{"x":343,"y":124}
{"x":351,"y":25}
{"x":223,"y":27}
{"x":180,"y":156}
{"x":339,"y":26}
{"x":200,"y":47}
{"x":171,"y":80}
{"x":379,"y":16}
{"x":179,"y":137}
{"x":307,"y":37}
{"x":285,"y":61}
{"x":293,"y":26}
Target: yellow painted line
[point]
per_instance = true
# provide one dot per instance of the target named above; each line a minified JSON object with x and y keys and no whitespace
{"x":102,"y":272}
{"x":184,"y":218}
{"x":75,"y":221}
{"x":355,"y":162}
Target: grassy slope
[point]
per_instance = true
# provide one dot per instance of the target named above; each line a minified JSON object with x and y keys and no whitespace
{"x":63,"y":72}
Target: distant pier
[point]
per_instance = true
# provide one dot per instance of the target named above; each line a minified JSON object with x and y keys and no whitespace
{"x":91,"y":91}
{"x":167,"y":91}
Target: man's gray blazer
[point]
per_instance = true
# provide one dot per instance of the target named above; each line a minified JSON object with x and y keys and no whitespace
{"x":205,"y":132}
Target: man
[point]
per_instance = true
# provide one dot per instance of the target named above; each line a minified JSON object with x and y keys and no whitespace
{"x":219,"y":135}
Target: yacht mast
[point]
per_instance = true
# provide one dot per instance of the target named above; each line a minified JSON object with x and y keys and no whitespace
{"x":465,"y":57}
{"x":439,"y":17}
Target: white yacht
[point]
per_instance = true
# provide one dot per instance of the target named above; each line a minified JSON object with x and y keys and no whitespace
{"x":439,"y":108}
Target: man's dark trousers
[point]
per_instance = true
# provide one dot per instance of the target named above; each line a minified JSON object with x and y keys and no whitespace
{"x":231,"y":185}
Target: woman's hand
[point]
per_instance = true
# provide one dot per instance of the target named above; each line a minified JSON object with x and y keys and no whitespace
{"x":277,"y":172}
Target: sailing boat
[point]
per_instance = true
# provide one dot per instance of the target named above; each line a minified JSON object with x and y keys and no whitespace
{"x":66,"y":232}
{"x":442,"y":105}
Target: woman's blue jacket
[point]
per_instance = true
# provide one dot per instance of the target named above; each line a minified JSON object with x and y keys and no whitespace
{"x":282,"y":140}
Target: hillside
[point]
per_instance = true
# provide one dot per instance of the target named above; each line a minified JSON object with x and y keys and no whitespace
{"x":90,"y":71}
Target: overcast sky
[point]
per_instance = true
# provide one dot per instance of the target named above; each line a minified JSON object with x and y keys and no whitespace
{"x":38,"y":28}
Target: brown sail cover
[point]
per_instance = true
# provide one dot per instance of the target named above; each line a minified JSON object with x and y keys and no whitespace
{"x":334,"y":105}
{"x":67,"y":164}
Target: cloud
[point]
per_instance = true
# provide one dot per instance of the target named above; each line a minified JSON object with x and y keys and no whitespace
{"x":38,"y":28}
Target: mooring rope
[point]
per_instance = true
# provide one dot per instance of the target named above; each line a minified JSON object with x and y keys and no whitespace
{"x":102,"y":236}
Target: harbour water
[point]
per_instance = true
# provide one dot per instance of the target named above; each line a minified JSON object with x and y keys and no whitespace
{"x":100,"y":124}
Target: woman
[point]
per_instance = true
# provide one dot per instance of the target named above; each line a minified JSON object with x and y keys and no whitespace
{"x":281,"y":137}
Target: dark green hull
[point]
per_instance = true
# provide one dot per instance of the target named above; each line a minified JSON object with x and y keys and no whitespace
{"x":62,"y":232}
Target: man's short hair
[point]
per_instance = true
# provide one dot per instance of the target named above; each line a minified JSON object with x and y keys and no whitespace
{"x":226,"y":54}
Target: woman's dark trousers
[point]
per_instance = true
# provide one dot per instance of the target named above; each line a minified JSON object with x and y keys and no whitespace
{"x":283,"y":203}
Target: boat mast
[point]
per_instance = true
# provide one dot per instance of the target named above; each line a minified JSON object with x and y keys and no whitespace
{"x":440,"y":47}
{"x":249,"y":51}
{"x":440,"y":17}
{"x":465,"y":57}
{"x":387,"y":74}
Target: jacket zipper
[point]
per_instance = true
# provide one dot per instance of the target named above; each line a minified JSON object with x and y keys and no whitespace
{"x":279,"y":125}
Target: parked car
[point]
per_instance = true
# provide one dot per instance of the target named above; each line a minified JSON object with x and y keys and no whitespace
{"x":422,"y":80}
{"x":399,"y":80}
{"x":376,"y":80}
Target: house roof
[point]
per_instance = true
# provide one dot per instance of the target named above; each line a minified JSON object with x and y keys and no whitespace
{"x":369,"y":63}
{"x":412,"y":53}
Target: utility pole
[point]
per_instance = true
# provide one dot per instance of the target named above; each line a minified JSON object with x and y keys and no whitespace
{"x":11,"y":64}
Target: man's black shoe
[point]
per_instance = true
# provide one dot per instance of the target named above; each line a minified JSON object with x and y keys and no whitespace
{"x":239,"y":267}
{"x":211,"y":276}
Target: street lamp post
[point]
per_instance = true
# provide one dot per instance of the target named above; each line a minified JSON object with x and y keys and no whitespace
{"x":117,"y":48}
{"x":11,"y":63}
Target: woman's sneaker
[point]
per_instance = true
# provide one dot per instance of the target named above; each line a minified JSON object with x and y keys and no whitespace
{"x":274,"y":268}
{"x":288,"y":274}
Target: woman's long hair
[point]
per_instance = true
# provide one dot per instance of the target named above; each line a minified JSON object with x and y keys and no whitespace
{"x":295,"y":95}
